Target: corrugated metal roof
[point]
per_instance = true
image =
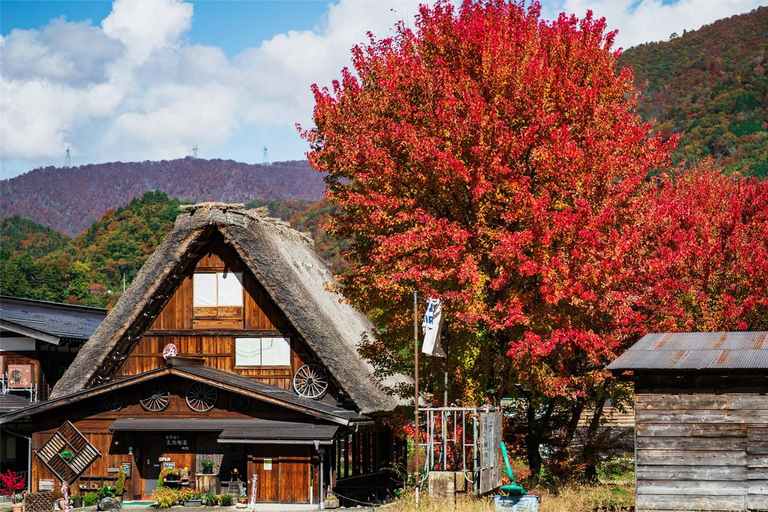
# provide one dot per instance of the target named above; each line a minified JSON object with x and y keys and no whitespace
{"x":10,"y":402}
{"x":55,"y":319}
{"x":696,"y":351}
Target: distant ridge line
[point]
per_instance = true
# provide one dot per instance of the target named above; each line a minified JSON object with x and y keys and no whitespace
{"x":71,"y":199}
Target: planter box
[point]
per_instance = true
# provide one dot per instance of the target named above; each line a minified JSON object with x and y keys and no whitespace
{"x":331,"y":503}
{"x":193,"y":503}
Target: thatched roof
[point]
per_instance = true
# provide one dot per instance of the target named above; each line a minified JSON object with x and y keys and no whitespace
{"x":283,"y":261}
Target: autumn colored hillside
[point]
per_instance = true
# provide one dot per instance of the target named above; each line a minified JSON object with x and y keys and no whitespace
{"x":70,"y":199}
{"x":712,"y":85}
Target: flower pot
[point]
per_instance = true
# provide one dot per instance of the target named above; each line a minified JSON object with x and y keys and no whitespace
{"x":77,"y":502}
{"x":242,"y":503}
{"x":17,"y":507}
{"x":193,"y":503}
{"x":63,"y":504}
{"x":331,"y":503}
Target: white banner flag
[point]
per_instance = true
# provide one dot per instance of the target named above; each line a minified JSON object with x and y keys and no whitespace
{"x":433,"y":323}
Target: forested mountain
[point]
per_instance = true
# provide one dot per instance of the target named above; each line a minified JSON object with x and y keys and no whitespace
{"x":70,"y":199}
{"x":39,"y":263}
{"x":19,"y":235}
{"x":711,"y":84}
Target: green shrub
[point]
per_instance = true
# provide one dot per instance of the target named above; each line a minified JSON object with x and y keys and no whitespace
{"x":90,"y":499}
{"x":120,"y":483}
{"x":165,"y":497}
{"x":225,"y":500}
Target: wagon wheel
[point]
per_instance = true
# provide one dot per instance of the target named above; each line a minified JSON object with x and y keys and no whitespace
{"x":239,"y":403}
{"x":155,"y":397}
{"x":201,"y":397}
{"x":310,"y":381}
{"x":113,"y":402}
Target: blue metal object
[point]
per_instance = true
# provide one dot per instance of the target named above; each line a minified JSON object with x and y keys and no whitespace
{"x":511,"y":489}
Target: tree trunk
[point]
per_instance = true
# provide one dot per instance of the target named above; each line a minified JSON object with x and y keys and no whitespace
{"x":537,"y":434}
{"x":589,"y":453}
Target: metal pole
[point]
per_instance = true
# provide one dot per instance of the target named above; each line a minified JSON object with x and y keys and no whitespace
{"x":445,"y":404}
{"x":416,"y":386}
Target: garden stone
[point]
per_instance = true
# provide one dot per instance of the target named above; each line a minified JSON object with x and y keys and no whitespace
{"x":108,"y":504}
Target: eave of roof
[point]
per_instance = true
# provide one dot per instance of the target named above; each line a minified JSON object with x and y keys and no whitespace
{"x":49,"y":321}
{"x":216,"y":378}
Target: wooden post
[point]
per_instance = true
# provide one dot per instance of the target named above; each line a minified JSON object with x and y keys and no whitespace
{"x":416,"y":386}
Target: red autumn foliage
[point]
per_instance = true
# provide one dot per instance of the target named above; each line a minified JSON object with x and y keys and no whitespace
{"x":11,"y":484}
{"x":496,"y":160}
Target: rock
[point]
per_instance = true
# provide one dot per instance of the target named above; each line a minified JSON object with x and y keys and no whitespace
{"x":108,"y":504}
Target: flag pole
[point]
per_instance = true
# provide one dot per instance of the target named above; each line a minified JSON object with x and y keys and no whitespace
{"x":416,"y":388}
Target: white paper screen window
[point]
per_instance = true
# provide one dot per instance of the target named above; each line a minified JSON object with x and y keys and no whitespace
{"x":204,"y":294}
{"x":230,"y":288}
{"x":275,"y":351}
{"x":247,"y":351}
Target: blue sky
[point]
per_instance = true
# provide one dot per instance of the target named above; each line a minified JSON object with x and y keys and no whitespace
{"x":147,"y":80}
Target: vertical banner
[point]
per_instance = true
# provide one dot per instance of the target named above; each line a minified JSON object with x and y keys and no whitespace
{"x":432,"y":324}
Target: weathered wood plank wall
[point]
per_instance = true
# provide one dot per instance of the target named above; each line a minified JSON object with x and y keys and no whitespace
{"x":701,"y":451}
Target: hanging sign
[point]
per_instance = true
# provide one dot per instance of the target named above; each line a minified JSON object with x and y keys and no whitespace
{"x":176,"y":443}
{"x":267,"y":464}
{"x":127,"y":469}
{"x":45,"y":484}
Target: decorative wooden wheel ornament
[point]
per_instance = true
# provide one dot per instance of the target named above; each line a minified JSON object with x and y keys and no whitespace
{"x":239,"y":403}
{"x":201,"y":397}
{"x":310,"y":381}
{"x":113,"y":402}
{"x":155,"y":397}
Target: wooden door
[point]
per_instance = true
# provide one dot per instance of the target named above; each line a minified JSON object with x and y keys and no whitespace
{"x":283,"y":471}
{"x":295,"y":463}
{"x":152,"y":450}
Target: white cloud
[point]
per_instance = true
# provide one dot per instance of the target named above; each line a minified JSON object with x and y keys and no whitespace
{"x":134,"y":88}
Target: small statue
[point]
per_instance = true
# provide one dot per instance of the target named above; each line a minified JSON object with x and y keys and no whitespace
{"x":184,"y":474}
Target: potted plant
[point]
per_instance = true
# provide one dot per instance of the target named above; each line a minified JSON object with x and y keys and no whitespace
{"x":331,"y":501}
{"x":207,"y":467}
{"x":242,"y":501}
{"x":169,"y":475}
{"x":120,"y":485}
{"x":191,"y":497}
{"x":224,"y":500}
{"x":11,"y":484}
{"x":165,"y":497}
{"x":76,"y":501}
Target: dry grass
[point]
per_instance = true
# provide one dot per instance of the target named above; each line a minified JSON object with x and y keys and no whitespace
{"x":571,"y":498}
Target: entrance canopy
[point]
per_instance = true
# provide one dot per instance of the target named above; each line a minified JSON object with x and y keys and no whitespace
{"x":251,"y":431}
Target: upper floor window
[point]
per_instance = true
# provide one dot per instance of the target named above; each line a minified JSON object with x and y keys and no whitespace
{"x":262,"y":351}
{"x":218,"y":289}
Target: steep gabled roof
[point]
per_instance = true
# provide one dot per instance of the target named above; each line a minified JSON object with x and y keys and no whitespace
{"x":49,"y":321}
{"x":285,"y":264}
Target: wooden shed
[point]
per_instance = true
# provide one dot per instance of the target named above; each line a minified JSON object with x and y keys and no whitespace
{"x":701,"y":420}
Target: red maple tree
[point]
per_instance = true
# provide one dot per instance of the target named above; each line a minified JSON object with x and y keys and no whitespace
{"x":495,"y":160}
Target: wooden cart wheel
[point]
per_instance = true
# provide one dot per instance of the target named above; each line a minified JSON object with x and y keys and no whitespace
{"x":310,"y":381}
{"x":155,"y":397}
{"x":201,"y":397}
{"x":113,"y":402}
{"x":239,"y":403}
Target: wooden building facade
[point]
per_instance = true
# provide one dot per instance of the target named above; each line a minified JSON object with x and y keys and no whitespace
{"x":701,"y":420}
{"x":228,"y":347}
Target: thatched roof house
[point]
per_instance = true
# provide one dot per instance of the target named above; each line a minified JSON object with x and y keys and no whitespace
{"x":284,"y":262}
{"x":228,"y":346}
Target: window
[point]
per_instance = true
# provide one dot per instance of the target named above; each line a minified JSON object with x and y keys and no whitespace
{"x":218,"y":289}
{"x":262,"y":351}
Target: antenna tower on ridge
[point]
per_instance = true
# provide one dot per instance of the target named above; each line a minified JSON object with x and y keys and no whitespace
{"x":67,"y":160}
{"x":194,"y":151}
{"x":265,"y":159}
